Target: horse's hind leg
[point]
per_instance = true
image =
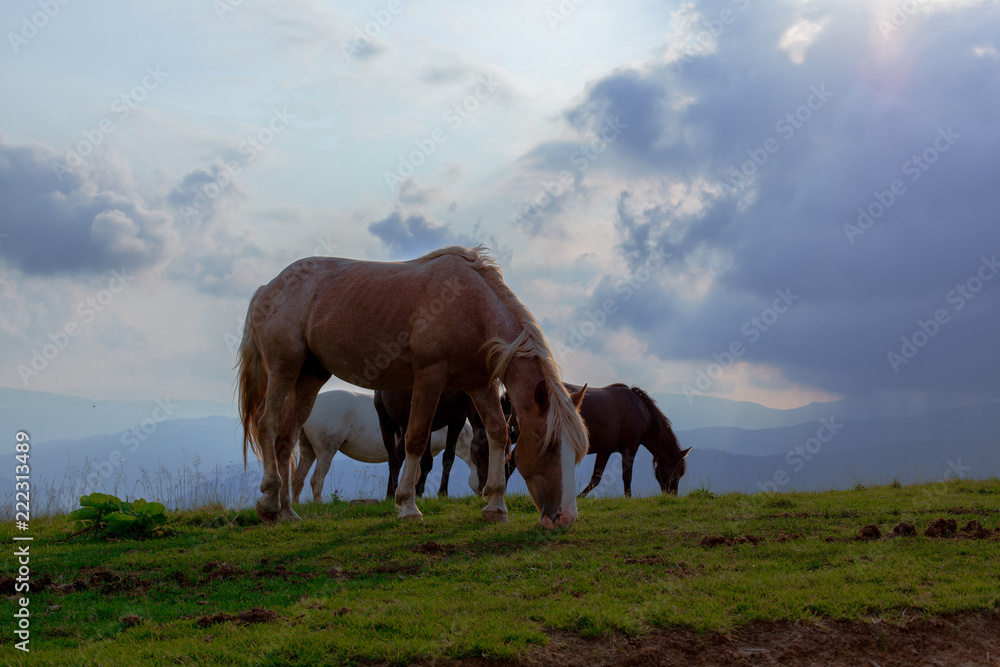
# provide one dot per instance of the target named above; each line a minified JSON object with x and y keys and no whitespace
{"x":426,"y":465}
{"x":323,"y":462}
{"x":599,"y":463}
{"x":448,"y":458}
{"x":306,"y":457}
{"x":293,"y":416}
{"x":279,"y":386}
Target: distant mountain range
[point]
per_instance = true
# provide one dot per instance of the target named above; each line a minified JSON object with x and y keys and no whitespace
{"x":52,"y":416}
{"x":138,"y":449}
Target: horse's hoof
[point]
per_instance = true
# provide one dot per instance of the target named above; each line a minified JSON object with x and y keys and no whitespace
{"x":289,"y":515}
{"x":266,"y":515}
{"x":407,"y":515}
{"x":495,"y":515}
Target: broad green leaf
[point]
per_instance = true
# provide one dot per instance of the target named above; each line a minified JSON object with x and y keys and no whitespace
{"x":83,"y":514}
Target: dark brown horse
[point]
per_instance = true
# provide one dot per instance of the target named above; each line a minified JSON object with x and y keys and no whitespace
{"x":619,"y":419}
{"x":454,"y":407}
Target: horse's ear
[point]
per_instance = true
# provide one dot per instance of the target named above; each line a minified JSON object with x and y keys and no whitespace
{"x":684,"y":452}
{"x":542,"y":396}
{"x":577,"y":396}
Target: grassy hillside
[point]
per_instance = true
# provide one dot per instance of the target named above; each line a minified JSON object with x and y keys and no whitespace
{"x":350,"y":584}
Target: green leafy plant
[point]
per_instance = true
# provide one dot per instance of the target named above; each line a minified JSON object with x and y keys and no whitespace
{"x":113,"y":517}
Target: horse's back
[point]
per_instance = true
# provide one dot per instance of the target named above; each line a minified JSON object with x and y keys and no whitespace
{"x":616,"y":418}
{"x":374,"y":323}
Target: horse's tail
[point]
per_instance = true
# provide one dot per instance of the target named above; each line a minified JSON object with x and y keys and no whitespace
{"x":252,"y":385}
{"x":664,"y":431}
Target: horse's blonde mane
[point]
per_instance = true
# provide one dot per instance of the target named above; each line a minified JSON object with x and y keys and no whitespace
{"x":562,"y":419}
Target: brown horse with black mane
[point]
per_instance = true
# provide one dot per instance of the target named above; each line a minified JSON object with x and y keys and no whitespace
{"x":440,"y":322}
{"x":619,"y":418}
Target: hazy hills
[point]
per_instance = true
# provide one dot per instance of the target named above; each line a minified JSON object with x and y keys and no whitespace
{"x":169,"y":448}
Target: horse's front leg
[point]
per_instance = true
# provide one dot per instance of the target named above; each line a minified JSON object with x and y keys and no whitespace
{"x":488,"y":405}
{"x":599,"y":463}
{"x":628,"y":458}
{"x":427,"y":386}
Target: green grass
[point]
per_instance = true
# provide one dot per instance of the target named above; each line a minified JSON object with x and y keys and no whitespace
{"x":354,"y":585}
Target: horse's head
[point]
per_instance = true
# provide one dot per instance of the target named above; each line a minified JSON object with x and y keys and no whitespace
{"x":548,"y":472}
{"x":669,"y":469}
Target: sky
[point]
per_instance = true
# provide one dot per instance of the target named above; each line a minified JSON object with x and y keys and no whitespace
{"x":780,"y":202}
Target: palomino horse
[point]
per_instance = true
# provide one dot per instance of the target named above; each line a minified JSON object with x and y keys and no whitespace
{"x":619,"y":419}
{"x":454,"y":408}
{"x":347,"y":422}
{"x":443,"y":321}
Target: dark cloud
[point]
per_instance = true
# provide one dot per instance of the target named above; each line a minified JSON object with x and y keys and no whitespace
{"x":412,"y":235}
{"x":61,"y":222}
{"x":90,"y":220}
{"x":785,"y":154}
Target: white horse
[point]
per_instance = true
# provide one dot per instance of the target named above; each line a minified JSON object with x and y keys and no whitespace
{"x":346,"y":421}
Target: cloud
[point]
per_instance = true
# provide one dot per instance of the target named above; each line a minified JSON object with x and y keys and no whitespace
{"x":93,"y":220}
{"x":773,"y":153}
{"x":412,"y":235}
{"x":60,"y":223}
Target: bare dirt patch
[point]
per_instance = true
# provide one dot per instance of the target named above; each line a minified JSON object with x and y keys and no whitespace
{"x":942,"y":528}
{"x":869,"y":532}
{"x":248,"y":617}
{"x":904,"y":529}
{"x":432,"y":548}
{"x":719,"y":540}
{"x":961,"y":639}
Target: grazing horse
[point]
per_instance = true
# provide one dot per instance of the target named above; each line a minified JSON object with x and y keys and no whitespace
{"x":619,"y":419}
{"x":454,"y":408}
{"x":347,"y":422}
{"x":440,"y":322}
